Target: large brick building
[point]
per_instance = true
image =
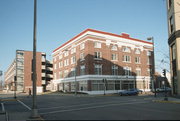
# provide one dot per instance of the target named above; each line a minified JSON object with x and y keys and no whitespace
{"x":85,"y":61}
{"x":22,"y":69}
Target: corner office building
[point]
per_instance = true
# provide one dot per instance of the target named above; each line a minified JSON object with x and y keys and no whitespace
{"x":92,"y":56}
{"x":173,"y":11}
{"x":22,"y":68}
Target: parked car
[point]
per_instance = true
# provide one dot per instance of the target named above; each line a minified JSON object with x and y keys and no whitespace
{"x":162,"y":89}
{"x":129,"y":92}
{"x":138,"y":90}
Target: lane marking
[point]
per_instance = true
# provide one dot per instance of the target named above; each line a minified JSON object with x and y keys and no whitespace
{"x":93,"y":107}
{"x":24,"y":105}
{"x":83,"y":104}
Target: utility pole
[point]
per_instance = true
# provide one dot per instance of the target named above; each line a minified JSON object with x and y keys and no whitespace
{"x":34,"y":113}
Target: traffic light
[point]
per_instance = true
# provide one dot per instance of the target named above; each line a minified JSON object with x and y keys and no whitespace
{"x":164,"y":72}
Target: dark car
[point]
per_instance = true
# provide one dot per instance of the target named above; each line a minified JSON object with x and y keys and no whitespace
{"x":128,"y":92}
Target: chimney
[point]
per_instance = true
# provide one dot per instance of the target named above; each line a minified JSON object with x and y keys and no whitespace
{"x":125,"y":35}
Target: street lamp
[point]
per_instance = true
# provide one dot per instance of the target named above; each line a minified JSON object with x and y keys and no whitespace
{"x":104,"y":80}
{"x":34,"y":111}
{"x":153,"y":69}
{"x":144,"y":83}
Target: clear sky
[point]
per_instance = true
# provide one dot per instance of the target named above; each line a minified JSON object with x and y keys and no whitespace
{"x":60,"y":20}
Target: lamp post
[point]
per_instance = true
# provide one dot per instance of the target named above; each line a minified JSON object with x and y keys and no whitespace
{"x":104,"y":80}
{"x":153,"y":69}
{"x":144,"y":83}
{"x":34,"y":111}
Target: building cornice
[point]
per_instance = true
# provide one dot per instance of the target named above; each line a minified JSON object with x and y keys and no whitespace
{"x":87,"y":31}
{"x":173,"y":37}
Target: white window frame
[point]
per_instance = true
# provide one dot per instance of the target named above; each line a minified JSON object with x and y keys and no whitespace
{"x":114,"y":56}
{"x":82,"y":46}
{"x":126,"y":49}
{"x":137,"y":60}
{"x":114,"y":47}
{"x":127,"y":58}
{"x":97,"y":55}
{"x":97,"y":44}
{"x":98,"y":67}
{"x":82,"y":56}
{"x":138,"y":70}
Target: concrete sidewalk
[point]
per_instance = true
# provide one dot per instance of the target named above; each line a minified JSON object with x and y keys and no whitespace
{"x":170,"y":100}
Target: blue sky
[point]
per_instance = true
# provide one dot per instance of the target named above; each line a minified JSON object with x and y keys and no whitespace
{"x":60,"y":20}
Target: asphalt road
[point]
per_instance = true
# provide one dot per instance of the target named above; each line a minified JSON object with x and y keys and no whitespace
{"x":69,"y":107}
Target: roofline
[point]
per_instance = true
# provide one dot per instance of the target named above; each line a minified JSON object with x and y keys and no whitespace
{"x":101,"y":32}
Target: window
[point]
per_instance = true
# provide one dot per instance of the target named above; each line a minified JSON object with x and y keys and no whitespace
{"x":171,"y":24}
{"x":97,"y":55}
{"x":54,"y":76}
{"x":149,"y":53}
{"x":138,"y":72}
{"x":66,"y":62}
{"x":60,"y":74}
{"x":82,"y":46}
{"x":66,"y":53}
{"x":82,"y":70}
{"x":73,"y":71}
{"x":137,"y":60}
{"x":114,"y":57}
{"x":127,"y":71}
{"x":170,"y":3}
{"x":60,"y":64}
{"x":60,"y":56}
{"x":97,"y":45}
{"x":173,"y":51}
{"x":73,"y":50}
{"x":55,"y":67}
{"x":66,"y":73}
{"x":137,"y":51}
{"x":114,"y":47}
{"x":149,"y":61}
{"x":73,"y":60}
{"x":82,"y":57}
{"x":98,"y":69}
{"x":126,"y":49}
{"x":126,"y":58}
{"x":114,"y":70}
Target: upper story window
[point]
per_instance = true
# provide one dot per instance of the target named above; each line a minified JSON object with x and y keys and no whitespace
{"x":82,"y":46}
{"x":138,"y":72}
{"x":137,"y":60}
{"x":173,"y":51}
{"x":149,"y":53}
{"x":82,"y":57}
{"x":66,"y":53}
{"x":82,"y":70}
{"x":55,"y":66}
{"x":60,"y":64}
{"x":114,"y":57}
{"x":98,"y":69}
{"x":127,"y":71}
{"x":169,"y":4}
{"x":126,"y":58}
{"x":73,"y":60}
{"x":137,"y":51}
{"x":114,"y":70}
{"x":114,"y":47}
{"x":54,"y":59}
{"x":97,"y":55}
{"x":66,"y":62}
{"x":97,"y":45}
{"x":60,"y":56}
{"x":60,"y":74}
{"x":126,"y":49}
{"x":171,"y":24}
{"x":66,"y":72}
{"x":73,"y":50}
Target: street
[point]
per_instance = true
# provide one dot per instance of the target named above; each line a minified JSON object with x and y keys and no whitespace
{"x":84,"y":107}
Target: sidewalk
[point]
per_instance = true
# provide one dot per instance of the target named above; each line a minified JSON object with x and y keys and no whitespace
{"x":170,"y":100}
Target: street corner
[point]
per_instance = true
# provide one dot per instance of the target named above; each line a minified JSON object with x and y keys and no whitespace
{"x":164,"y":101}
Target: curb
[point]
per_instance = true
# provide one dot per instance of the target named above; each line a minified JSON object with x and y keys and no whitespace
{"x":163,"y":101}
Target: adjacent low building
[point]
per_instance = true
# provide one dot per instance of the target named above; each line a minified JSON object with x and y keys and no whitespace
{"x":94,"y":61}
{"x":19,"y":74}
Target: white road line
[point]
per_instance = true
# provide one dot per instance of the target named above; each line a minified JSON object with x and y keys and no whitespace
{"x":24,"y":105}
{"x":83,"y":104}
{"x":100,"y":106}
